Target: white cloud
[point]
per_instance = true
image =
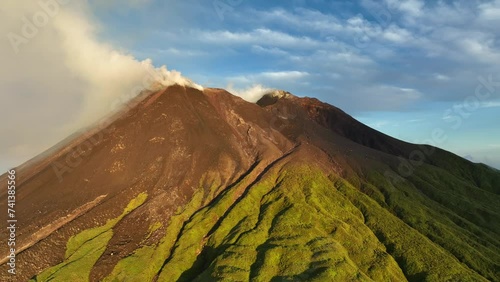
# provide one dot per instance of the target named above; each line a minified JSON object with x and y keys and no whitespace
{"x":439,"y":48}
{"x":300,"y":19}
{"x":261,"y":36}
{"x":491,"y":104}
{"x":269,"y":76}
{"x":396,"y":34}
{"x":271,"y":51}
{"x":284,"y":75}
{"x":441,"y":77}
{"x":178,"y":52}
{"x":490,"y":11}
{"x":356,"y":28}
{"x":411,"y":8}
{"x":481,"y":48}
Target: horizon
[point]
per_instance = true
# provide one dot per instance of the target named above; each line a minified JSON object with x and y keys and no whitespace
{"x":397,"y":66}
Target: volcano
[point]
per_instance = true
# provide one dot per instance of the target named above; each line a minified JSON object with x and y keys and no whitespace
{"x":199,"y":185}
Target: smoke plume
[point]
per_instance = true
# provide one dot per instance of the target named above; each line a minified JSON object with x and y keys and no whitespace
{"x":57,"y":76}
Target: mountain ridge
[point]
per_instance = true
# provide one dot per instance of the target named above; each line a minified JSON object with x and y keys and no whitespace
{"x":209,"y":186}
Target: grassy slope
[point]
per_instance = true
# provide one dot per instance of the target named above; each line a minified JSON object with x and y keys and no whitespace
{"x":85,"y":248}
{"x":451,"y":212}
{"x":298,"y":223}
{"x":293,"y":226}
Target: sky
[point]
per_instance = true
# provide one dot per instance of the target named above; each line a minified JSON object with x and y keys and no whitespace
{"x":407,"y":68}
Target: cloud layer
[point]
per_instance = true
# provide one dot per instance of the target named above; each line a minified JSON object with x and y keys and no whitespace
{"x":393,"y":60}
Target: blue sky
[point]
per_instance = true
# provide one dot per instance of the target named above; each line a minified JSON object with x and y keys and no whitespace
{"x":402,"y":67}
{"x":405,"y":67}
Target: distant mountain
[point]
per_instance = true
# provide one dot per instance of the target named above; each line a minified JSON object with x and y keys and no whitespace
{"x":190,"y":185}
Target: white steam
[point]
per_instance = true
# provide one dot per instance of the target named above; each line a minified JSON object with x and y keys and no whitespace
{"x":57,"y":76}
{"x":251,"y":94}
{"x":111,"y":76}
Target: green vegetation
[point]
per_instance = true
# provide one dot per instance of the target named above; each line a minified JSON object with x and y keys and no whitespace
{"x":419,"y":257}
{"x":85,"y":248}
{"x":147,"y":261}
{"x":455,"y":216}
{"x":288,"y":226}
{"x":153,"y":228}
{"x":299,"y":223}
